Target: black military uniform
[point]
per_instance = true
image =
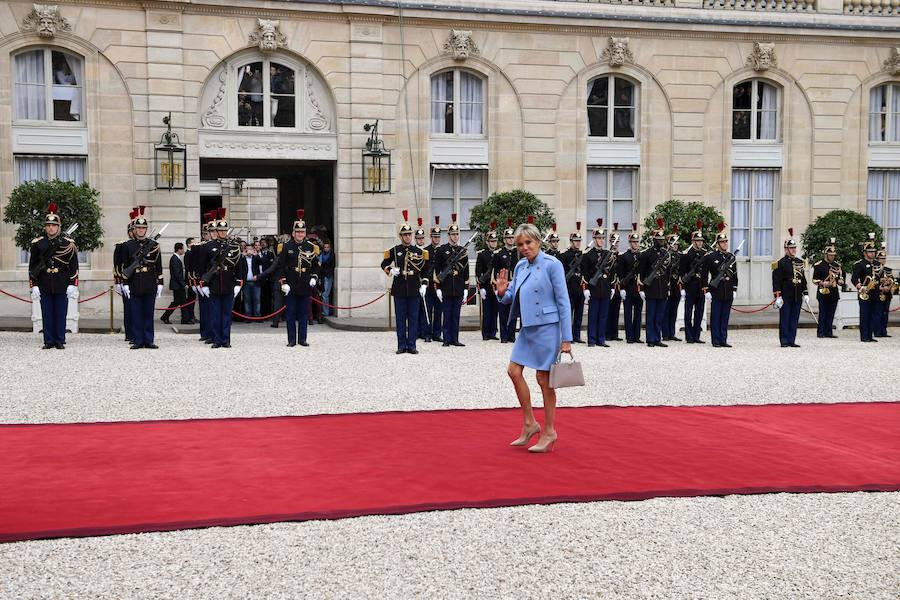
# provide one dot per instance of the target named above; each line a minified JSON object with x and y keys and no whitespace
{"x":553,"y":243}
{"x":433,"y":304}
{"x":887,"y":286}
{"x":865,"y":277}
{"x":596,"y":273}
{"x":615,"y":300}
{"x":53,"y":279}
{"x":506,"y":258}
{"x":407,"y":264}
{"x":828,"y":277}
{"x":143,"y":285}
{"x":628,"y":273}
{"x":722,"y":294}
{"x":689,"y":273}
{"x":220,"y":282}
{"x":484,"y":277}
{"x":789,"y":284}
{"x":452,"y":261}
{"x":670,"y":319}
{"x":298,"y":268}
{"x":571,"y":262}
{"x":656,"y":272}
{"x":117,"y":273}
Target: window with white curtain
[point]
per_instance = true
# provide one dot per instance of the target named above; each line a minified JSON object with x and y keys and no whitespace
{"x":457,"y":191}
{"x":883,"y":205}
{"x":754,"y":111}
{"x":265,"y":95}
{"x":611,"y":197}
{"x":753,"y":195}
{"x":48,"y":86}
{"x":457,"y":103}
{"x":612,"y":107}
{"x":33,"y":168}
{"x":884,"y":113}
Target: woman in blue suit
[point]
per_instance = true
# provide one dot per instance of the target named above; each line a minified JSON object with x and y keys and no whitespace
{"x":539,"y":297}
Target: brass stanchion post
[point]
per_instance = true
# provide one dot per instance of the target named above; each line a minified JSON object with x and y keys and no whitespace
{"x":112,"y":307}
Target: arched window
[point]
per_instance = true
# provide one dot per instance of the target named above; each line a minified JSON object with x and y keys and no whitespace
{"x":884,"y":113}
{"x":457,"y":103}
{"x":754,"y":111}
{"x":266,"y":95}
{"x":612,"y":107}
{"x":48,"y":86}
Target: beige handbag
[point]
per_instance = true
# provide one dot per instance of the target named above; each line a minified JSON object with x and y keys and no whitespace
{"x":566,"y":374}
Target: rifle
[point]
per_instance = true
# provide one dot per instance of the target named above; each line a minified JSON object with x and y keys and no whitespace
{"x":603,"y":268}
{"x":725,"y":268}
{"x":128,"y":271}
{"x":46,"y":260}
{"x":632,"y":274}
{"x":220,"y":262}
{"x":574,"y":274}
{"x":661,"y":264}
{"x":460,"y":252}
{"x":694,"y":270}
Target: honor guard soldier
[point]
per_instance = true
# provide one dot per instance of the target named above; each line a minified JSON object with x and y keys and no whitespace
{"x":219,"y":282}
{"x":886,"y":290}
{"x":615,"y":300}
{"x":506,"y":258}
{"x":406,"y":264}
{"x":571,"y":262}
{"x":828,"y":277}
{"x":553,"y":242}
{"x":298,"y":266}
{"x":484,"y":278}
{"x":596,"y":268}
{"x":719,"y":280}
{"x":655,"y":273}
{"x":451,"y":275}
{"x":424,"y":326}
{"x":117,"y":272}
{"x":433,"y":304}
{"x":676,"y":292}
{"x":199,"y":264}
{"x":865,"y":279}
{"x":53,"y":278}
{"x":690,"y":272}
{"x":789,"y":287}
{"x":628,"y":273}
{"x":142,"y":282}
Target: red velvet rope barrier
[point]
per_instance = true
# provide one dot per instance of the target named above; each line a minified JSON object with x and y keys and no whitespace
{"x":185,"y":305}
{"x":243,"y":316}
{"x":755,"y":310}
{"x":27,"y":301}
{"x":373,"y":301}
{"x":103,"y":293}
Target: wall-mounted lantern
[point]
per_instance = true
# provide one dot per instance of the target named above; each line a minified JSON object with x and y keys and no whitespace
{"x":170,"y":158}
{"x":376,"y":163}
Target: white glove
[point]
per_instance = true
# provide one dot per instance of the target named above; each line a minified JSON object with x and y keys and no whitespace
{"x":126,"y":289}
{"x":285,"y":289}
{"x":806,"y":299}
{"x":683,"y":293}
{"x":440,"y":295}
{"x":118,"y":288}
{"x":708,"y":296}
{"x":194,"y":288}
{"x":779,"y":302}
{"x":395,"y":271}
{"x":237,"y":290}
{"x":205,"y":291}
{"x":35,"y":293}
{"x":312,"y":282}
{"x":422,"y":289}
{"x":72,"y":292}
{"x":622,"y":294}
{"x":159,"y":289}
{"x":483,"y":294}
{"x":642,"y":295}
{"x":587,"y":294}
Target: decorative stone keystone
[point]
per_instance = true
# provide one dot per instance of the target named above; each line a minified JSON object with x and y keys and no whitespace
{"x":892,"y":64}
{"x":268,"y":36}
{"x":460,"y":44}
{"x":762,"y":57}
{"x":45,"y":20}
{"x":617,"y":52}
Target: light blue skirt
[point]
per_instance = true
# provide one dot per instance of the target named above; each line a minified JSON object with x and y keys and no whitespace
{"x":537,"y":346}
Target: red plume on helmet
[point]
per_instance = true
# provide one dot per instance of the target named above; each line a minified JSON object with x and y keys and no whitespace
{"x":599,"y":222}
{"x":52,"y":208}
{"x":132,"y":215}
{"x":221,"y":212}
{"x":419,"y":221}
{"x":577,"y":225}
{"x":675,"y":228}
{"x":405,"y":215}
{"x":720,"y":226}
{"x":141,"y":208}
{"x":453,"y":217}
{"x":531,"y":219}
{"x":300,"y":213}
{"x":791,"y":231}
{"x":437,"y":219}
{"x":553,"y":226}
{"x":616,"y":226}
{"x":508,"y":222}
{"x":699,"y":224}
{"x":634,"y":226}
{"x":660,"y":222}
{"x":493,"y":225}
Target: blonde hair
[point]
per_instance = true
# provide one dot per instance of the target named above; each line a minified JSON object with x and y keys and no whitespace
{"x":529,"y":231}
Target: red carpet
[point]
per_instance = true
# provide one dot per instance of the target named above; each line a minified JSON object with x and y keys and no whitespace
{"x":105,"y":478}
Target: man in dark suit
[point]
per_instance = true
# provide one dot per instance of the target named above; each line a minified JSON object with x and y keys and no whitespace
{"x":178,"y":285}
{"x":250,"y":270}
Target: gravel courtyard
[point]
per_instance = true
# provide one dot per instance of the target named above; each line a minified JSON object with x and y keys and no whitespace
{"x":766,"y":546}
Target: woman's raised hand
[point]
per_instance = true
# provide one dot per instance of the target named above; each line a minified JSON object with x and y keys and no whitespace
{"x":502,"y":282}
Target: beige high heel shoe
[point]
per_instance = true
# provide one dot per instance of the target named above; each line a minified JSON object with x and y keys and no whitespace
{"x":526,"y":436}
{"x":545,"y":446}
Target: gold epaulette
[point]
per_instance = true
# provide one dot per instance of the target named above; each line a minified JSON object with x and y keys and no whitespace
{"x":387,"y":254}
{"x":37,"y":239}
{"x":817,"y":264}
{"x":315,"y":249}
{"x":774,"y":265}
{"x":424,"y":254}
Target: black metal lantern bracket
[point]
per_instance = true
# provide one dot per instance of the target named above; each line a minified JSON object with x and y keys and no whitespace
{"x":170,"y":159}
{"x":376,"y":163}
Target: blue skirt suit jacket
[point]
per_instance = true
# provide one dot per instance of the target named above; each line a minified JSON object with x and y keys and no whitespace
{"x":540,"y":298}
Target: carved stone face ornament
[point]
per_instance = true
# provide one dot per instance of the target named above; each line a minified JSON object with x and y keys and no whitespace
{"x":460,"y":44}
{"x":617,"y":52}
{"x":45,"y":20}
{"x":892,"y":64}
{"x":762,"y":57}
{"x":268,"y":36}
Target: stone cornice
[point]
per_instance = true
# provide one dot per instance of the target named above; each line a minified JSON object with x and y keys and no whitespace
{"x":610,"y":22}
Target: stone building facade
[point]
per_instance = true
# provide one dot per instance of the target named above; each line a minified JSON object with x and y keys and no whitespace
{"x":775,"y":112}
